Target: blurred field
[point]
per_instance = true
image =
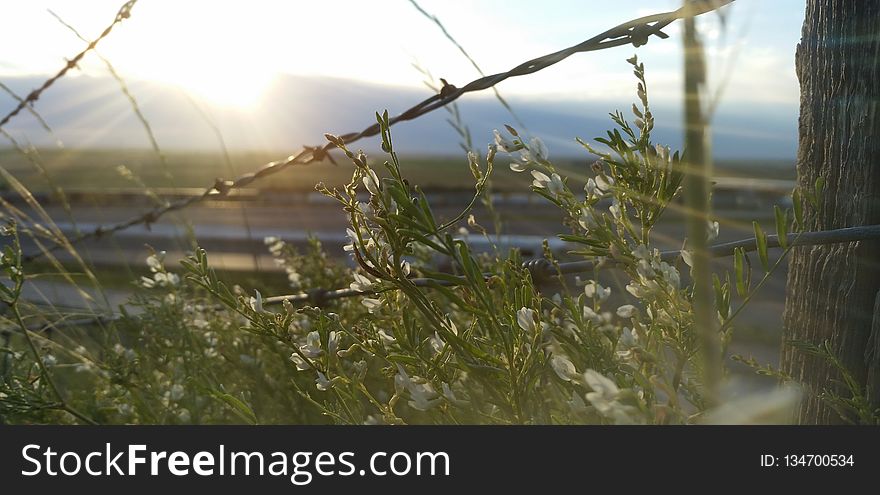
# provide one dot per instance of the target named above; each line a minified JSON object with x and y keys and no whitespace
{"x":232,"y":230}
{"x":97,"y":169}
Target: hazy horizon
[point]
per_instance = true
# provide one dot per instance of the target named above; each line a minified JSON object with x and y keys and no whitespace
{"x":266,"y":88}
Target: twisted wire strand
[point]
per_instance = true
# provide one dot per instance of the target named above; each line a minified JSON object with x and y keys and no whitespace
{"x":542,"y":269}
{"x":636,"y":32}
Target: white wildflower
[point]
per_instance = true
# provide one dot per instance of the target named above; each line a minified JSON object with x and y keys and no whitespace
{"x":604,"y":183}
{"x":256,"y":302}
{"x":604,"y":397}
{"x":644,"y":269}
{"x":553,"y":183}
{"x":371,"y":182}
{"x":436,"y":344}
{"x":401,"y":379}
{"x":593,"y":289}
{"x":352,"y":236}
{"x":670,"y":275}
{"x":373,"y":419}
{"x":385,"y":338}
{"x":312,"y":347}
{"x":503,"y":142}
{"x":563,"y":367}
{"x":322,"y":383}
{"x":586,"y":219}
{"x":687,"y":257}
{"x":626,"y":311}
{"x":603,"y":388}
{"x":538,"y":150}
{"x":525,"y":318}
{"x":712,"y":231}
{"x":293,"y":277}
{"x":332,"y":342}
{"x":628,"y":338}
{"x":662,"y":152}
{"x":636,"y":290}
{"x":371,"y":304}
{"x":591,"y":188}
{"x":361,"y":283}
{"x":615,"y":210}
{"x":276,"y":245}
{"x":154,"y":263}
{"x":423,"y":397}
{"x":301,"y":364}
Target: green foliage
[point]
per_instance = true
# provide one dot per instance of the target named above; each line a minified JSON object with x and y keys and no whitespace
{"x":483,"y":341}
{"x":855,"y":408}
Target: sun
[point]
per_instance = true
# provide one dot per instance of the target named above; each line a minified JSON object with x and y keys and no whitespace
{"x":216,"y":52}
{"x":238,"y":87}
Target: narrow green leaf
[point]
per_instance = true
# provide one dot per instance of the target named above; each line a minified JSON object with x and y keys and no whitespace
{"x":739,"y":272}
{"x":241,"y":409}
{"x":781,"y":225}
{"x":761,"y":242}
{"x":401,"y":358}
{"x":721,"y":302}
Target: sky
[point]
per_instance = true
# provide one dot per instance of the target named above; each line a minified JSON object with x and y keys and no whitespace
{"x":228,"y":54}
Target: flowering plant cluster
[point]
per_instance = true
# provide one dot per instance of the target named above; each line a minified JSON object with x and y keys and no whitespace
{"x":484,"y":340}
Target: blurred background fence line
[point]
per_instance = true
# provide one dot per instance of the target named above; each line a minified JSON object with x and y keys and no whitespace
{"x":540,"y":269}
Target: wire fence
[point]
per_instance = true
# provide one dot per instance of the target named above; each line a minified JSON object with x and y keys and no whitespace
{"x":540,"y":270}
{"x":636,"y":32}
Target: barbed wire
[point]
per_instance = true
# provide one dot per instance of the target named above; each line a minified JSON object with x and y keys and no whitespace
{"x":123,"y":13}
{"x":123,"y":86}
{"x":635,"y":32}
{"x":31,"y":110}
{"x":433,"y":18}
{"x":540,"y":270}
